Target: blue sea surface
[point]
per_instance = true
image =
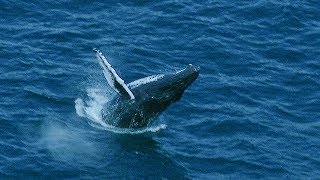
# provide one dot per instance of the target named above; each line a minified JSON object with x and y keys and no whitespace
{"x":253,"y":112}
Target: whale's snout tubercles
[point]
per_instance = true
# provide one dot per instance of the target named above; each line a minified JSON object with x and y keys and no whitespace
{"x":194,"y":68}
{"x":197,"y":68}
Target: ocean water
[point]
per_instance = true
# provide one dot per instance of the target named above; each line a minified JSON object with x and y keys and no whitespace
{"x":253,"y":112}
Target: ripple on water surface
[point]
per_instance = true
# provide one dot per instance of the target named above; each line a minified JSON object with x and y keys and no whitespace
{"x":252,"y":113}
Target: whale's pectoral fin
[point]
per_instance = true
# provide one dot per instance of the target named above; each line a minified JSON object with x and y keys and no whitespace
{"x":112,"y":77}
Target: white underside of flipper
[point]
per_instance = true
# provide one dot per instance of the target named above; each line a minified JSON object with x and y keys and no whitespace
{"x":112,"y":77}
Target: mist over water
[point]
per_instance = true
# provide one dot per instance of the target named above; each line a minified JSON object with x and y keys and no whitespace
{"x":252,"y":113}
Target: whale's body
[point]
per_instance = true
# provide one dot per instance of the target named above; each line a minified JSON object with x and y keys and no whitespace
{"x":140,"y":101}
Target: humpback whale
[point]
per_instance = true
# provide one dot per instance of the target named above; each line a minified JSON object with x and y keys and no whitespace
{"x":139,"y":102}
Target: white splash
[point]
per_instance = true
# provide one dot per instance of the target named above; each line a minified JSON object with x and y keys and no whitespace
{"x":131,"y":131}
{"x":145,"y":80}
{"x":91,"y":108}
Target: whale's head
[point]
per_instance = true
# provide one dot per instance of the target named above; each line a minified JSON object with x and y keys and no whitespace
{"x":183,"y":78}
{"x":173,"y":85}
{"x":157,"y":92}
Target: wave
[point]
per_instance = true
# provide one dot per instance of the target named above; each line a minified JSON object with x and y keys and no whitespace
{"x":91,"y":105}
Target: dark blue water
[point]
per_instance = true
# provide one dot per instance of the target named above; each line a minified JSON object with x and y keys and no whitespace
{"x":254,"y":111}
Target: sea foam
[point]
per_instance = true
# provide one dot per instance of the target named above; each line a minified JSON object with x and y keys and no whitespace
{"x":90,"y":106}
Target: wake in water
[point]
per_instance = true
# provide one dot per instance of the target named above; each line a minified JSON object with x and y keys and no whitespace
{"x":91,"y":106}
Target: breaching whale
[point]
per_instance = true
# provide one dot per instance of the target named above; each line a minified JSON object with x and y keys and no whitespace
{"x":140,"y":101}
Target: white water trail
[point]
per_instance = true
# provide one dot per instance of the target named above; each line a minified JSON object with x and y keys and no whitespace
{"x":91,"y":106}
